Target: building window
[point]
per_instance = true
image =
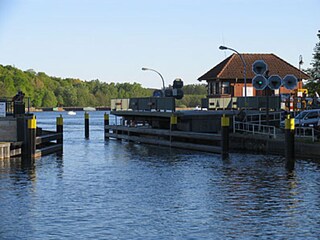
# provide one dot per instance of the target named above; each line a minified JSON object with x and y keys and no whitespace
{"x":225,"y":89}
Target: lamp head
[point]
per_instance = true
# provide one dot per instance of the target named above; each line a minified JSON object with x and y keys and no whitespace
{"x":144,"y":69}
{"x":223,"y":48}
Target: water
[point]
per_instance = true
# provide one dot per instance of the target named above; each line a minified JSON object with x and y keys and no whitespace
{"x":119,"y":190}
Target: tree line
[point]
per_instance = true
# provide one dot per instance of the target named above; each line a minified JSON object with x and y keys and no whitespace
{"x":46,"y":91}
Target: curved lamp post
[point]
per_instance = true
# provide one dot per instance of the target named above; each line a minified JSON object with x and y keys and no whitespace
{"x":149,"y":69}
{"x":244,"y":73}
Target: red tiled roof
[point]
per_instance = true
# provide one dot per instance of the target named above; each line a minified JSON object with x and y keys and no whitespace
{"x":232,"y":67}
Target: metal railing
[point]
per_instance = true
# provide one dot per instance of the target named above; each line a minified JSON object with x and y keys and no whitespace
{"x":305,"y":132}
{"x":15,"y":107}
{"x":254,"y":128}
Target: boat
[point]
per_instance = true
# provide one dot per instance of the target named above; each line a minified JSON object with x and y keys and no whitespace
{"x":72,"y":113}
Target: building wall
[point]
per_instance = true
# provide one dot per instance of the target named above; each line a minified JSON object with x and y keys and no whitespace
{"x":8,"y":129}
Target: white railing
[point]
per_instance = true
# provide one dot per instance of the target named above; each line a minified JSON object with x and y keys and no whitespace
{"x":254,"y":128}
{"x":261,"y":117}
{"x":305,"y":132}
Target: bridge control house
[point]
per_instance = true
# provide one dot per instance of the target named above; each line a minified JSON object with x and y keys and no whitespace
{"x":226,"y":84}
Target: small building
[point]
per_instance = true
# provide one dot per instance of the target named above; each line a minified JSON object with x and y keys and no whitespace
{"x":227,"y":78}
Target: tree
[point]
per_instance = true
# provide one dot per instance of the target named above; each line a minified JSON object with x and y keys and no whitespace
{"x":313,"y":84}
{"x":49,"y":99}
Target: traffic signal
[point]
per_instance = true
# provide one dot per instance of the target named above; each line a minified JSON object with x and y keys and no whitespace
{"x":177,"y":91}
{"x":259,"y":82}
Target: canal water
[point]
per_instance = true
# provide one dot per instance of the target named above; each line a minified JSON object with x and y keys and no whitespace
{"x":120,"y":190}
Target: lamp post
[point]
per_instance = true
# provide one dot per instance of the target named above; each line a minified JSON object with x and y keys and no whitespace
{"x":244,"y":74}
{"x":146,"y":69}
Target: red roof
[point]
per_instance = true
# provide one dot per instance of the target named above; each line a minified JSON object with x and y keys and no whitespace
{"x":232,"y":67}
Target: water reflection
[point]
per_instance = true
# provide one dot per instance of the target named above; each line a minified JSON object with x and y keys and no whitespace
{"x":121,"y":190}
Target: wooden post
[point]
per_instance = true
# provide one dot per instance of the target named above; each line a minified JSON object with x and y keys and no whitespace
{"x":106,"y":123}
{"x":173,"y":122}
{"x":225,"y":123}
{"x":30,"y":143}
{"x":289,"y":142}
{"x":86,"y":125}
{"x":60,"y":130}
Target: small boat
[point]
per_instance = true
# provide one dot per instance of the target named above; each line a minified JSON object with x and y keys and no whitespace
{"x":72,"y":113}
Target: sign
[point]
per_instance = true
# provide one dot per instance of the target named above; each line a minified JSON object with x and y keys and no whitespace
{"x":2,"y":109}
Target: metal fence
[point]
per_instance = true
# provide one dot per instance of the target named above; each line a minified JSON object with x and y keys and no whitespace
{"x":10,"y":107}
{"x":253,"y":128}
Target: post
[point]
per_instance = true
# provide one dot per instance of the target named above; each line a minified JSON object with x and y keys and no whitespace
{"x":225,"y":123}
{"x":60,"y":130}
{"x":106,"y":124}
{"x":289,"y":142}
{"x":86,"y":125}
{"x":173,"y":122}
{"x":30,"y":143}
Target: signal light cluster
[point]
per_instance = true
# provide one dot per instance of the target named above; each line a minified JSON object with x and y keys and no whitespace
{"x":274,"y":82}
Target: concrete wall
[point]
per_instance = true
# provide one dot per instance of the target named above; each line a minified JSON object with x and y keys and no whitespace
{"x":8,"y":129}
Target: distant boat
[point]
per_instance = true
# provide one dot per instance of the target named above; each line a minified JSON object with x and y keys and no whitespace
{"x":72,"y":113}
{"x":89,"y":109}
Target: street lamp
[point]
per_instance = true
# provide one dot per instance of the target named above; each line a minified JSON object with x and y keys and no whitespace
{"x":244,"y":74}
{"x":146,"y":69}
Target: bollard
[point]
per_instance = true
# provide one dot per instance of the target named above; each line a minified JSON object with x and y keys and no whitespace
{"x":86,"y":125}
{"x":30,"y":144}
{"x":173,"y":122}
{"x":106,"y":123}
{"x":289,"y":142}
{"x":225,"y":123}
{"x":60,"y":130}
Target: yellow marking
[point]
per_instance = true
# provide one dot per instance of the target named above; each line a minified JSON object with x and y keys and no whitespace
{"x":86,"y":115}
{"x":173,"y":120}
{"x":225,"y":121}
{"x":106,"y":116}
{"x":289,"y":123}
{"x":60,"y":120}
{"x":32,"y":123}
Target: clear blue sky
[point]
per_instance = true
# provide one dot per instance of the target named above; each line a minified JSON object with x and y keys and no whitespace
{"x":111,"y":40}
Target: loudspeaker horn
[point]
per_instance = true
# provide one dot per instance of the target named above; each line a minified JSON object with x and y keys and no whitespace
{"x":290,"y":82}
{"x":274,"y":82}
{"x":259,"y":67}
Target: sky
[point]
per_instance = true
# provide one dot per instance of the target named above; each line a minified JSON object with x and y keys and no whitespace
{"x":111,"y":40}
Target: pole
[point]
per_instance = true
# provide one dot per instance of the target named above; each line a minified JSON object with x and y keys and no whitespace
{"x":289,"y":142}
{"x":225,"y":123}
{"x":150,"y":69}
{"x":59,"y":128}
{"x":30,"y":143}
{"x":106,"y":124}
{"x":244,"y":74}
{"x":86,"y":125}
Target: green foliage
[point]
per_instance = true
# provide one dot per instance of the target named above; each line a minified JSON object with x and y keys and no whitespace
{"x":190,"y":100}
{"x":313,"y":84}
{"x":46,"y":91}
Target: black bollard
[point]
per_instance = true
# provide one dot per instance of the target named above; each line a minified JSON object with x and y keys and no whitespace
{"x":225,"y":123}
{"x":60,"y":130}
{"x":289,"y":143}
{"x":106,"y":123}
{"x":86,"y":125}
{"x":30,"y":144}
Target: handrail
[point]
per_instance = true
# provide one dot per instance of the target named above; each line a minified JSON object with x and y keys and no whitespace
{"x":305,"y":132}
{"x":254,"y":128}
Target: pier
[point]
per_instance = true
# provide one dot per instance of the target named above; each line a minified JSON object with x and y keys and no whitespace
{"x":203,"y":131}
{"x":20,"y":136}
